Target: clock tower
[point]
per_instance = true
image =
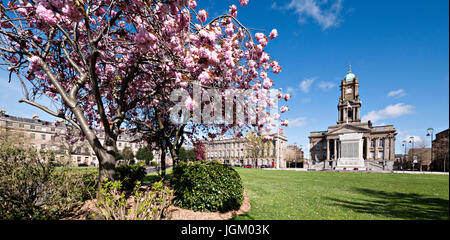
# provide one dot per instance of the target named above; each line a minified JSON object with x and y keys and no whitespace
{"x":349,"y":103}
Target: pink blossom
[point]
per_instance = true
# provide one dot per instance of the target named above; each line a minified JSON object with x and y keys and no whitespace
{"x":192,"y":4}
{"x":287,"y":96}
{"x":285,"y":122}
{"x":72,"y":12}
{"x":243,"y":2}
{"x":189,"y":62}
{"x":34,"y":63}
{"x":267,"y":83}
{"x":263,"y":75}
{"x":284,"y":109}
{"x":275,"y":67}
{"x":202,"y":15}
{"x":264,"y":57}
{"x":259,"y":36}
{"x":233,"y":10}
{"x":276,"y":116}
{"x":204,"y":77}
{"x":23,"y":11}
{"x":45,"y":14}
{"x":269,"y":127}
{"x":183,"y":84}
{"x":273,"y":34}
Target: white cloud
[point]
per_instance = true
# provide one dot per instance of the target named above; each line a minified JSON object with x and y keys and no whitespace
{"x":419,"y":142}
{"x":397,"y":94}
{"x":324,"y":13}
{"x":305,"y":85}
{"x":297,"y":122}
{"x":391,"y":111}
{"x":326,"y":85}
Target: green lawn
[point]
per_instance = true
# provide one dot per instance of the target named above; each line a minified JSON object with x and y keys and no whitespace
{"x":333,"y":195}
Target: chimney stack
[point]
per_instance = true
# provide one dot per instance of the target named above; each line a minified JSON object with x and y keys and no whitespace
{"x":35,"y":116}
{"x":3,"y":111}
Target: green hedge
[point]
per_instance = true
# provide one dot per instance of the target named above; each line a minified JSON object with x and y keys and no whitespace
{"x":203,"y":186}
{"x":129,"y":175}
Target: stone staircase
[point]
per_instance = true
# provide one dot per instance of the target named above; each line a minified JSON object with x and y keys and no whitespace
{"x":372,"y":166}
{"x":376,"y":166}
{"x":320,"y":166}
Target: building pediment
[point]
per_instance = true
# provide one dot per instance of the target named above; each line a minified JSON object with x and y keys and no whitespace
{"x":348,"y":129}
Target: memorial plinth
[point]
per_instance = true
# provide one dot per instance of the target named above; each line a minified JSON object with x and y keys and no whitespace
{"x":351,"y":152}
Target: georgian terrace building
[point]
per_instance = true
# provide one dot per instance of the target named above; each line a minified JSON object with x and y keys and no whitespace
{"x":44,"y":135}
{"x":233,"y":151}
{"x":352,"y":144}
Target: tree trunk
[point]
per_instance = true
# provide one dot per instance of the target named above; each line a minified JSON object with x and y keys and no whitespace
{"x":107,"y":165}
{"x":163,"y":162}
{"x":174,"y":155}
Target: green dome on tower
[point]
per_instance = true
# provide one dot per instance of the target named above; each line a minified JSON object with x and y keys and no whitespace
{"x":350,"y":76}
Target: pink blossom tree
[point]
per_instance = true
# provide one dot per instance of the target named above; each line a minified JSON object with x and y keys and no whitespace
{"x":109,"y":63}
{"x":200,"y":151}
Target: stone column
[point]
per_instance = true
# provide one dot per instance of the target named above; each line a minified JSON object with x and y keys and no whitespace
{"x":328,"y":149}
{"x":376,"y":149}
{"x":345,"y":115}
{"x":334,"y":153}
{"x":339,"y":115}
{"x":385,"y":157}
{"x":392,"y":149}
{"x":368,"y":148}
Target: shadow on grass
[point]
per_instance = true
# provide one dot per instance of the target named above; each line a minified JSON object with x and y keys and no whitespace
{"x":397,"y":205}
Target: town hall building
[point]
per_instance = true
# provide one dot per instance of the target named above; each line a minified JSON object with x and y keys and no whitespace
{"x":353,"y":144}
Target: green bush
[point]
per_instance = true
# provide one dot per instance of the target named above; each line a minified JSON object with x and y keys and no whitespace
{"x":207,"y":187}
{"x":129,"y":175}
{"x":32,"y":188}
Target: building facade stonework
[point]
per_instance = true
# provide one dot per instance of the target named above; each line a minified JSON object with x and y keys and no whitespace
{"x":44,"y":135}
{"x":440,"y":152}
{"x":353,"y":144}
{"x":233,"y":151}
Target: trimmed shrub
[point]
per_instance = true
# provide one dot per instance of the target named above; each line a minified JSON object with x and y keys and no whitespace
{"x":129,"y":175}
{"x":210,"y":186}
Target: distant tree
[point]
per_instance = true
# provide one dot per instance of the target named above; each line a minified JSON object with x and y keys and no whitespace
{"x":254,"y":146}
{"x":293,"y":154}
{"x":186,"y":155}
{"x":127,"y":154}
{"x":144,"y":153}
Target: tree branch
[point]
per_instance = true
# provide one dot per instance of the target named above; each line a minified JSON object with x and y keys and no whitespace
{"x":55,"y":114}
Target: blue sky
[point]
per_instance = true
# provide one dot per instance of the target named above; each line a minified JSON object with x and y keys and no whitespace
{"x":398,"y":49}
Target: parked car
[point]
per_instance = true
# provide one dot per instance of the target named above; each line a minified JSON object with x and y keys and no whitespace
{"x":236,"y":165}
{"x":247,"y":166}
{"x":264,"y":166}
{"x":82,"y":165}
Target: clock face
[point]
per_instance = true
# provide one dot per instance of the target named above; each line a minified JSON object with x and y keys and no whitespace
{"x":348,"y":90}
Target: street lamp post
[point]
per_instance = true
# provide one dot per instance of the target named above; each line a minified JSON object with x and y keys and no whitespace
{"x":430,"y":134}
{"x":411,"y":140}
{"x":404,"y":155}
